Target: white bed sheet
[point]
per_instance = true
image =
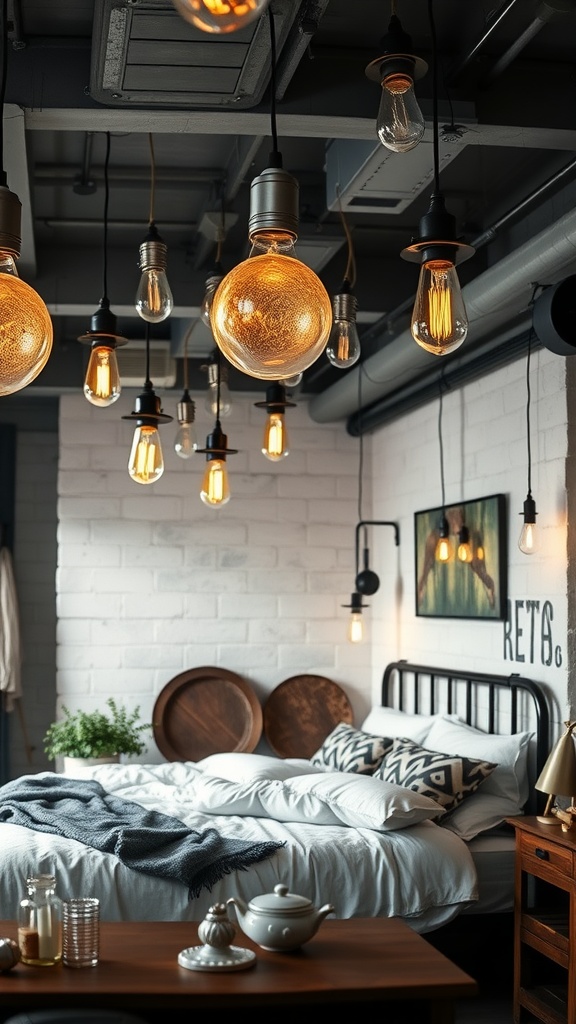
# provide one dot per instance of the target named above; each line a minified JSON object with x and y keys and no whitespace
{"x":424,"y":873}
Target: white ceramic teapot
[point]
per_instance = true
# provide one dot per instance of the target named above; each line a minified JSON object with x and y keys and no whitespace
{"x":279,"y":920}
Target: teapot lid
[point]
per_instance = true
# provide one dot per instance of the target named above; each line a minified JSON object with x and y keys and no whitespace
{"x":280,"y":902}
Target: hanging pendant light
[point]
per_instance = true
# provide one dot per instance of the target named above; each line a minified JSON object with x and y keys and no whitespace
{"x":355,"y":632}
{"x":400,"y":123}
{"x":26,"y":331}
{"x":185,"y":443}
{"x":218,"y":401}
{"x":528,"y":542}
{"x":444,"y":551}
{"x":154,"y":301}
{"x":439,"y":322}
{"x":146,"y":461}
{"x":271,"y":315}
{"x":220,"y":15}
{"x":275,"y":445}
{"x":215,"y":490}
{"x":343,"y":348}
{"x":102,"y":386}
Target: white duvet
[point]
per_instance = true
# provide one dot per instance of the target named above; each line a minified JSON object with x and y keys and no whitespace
{"x":379,"y":853}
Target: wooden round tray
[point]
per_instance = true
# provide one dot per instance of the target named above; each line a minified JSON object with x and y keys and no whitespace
{"x":206,"y":711}
{"x":301,"y":712}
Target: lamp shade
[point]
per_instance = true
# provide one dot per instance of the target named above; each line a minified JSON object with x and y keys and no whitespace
{"x":558,"y":775}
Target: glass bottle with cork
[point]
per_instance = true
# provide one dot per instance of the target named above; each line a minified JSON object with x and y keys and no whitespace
{"x":40,"y":922}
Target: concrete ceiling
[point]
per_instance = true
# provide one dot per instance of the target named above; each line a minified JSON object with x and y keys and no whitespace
{"x":78,"y":69}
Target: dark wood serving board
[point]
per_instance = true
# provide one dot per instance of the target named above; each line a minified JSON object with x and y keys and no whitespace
{"x":205,"y":711}
{"x":301,"y":712}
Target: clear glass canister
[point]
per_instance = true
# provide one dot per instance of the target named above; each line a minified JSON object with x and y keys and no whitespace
{"x":40,"y":922}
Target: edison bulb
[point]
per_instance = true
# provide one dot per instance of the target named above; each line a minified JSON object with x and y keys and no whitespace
{"x":528,"y":540}
{"x":146,"y":463}
{"x":343,"y":347}
{"x":215,"y":488}
{"x":154,"y":300}
{"x":25,"y":330}
{"x":220,"y":15}
{"x":400,"y":123}
{"x":271,"y":315}
{"x":439,"y":321}
{"x":102,"y":382}
{"x":355,"y":628}
{"x":275,"y":445}
{"x":464,"y":550}
{"x":185,"y":443}
{"x":218,"y":405}
{"x":443,"y":550}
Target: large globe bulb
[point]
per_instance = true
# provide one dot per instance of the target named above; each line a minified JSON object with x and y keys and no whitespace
{"x":25,"y":334}
{"x":271,"y":316}
{"x":220,"y":15}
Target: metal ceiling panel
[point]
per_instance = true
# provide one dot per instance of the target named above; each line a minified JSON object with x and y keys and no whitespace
{"x":147,"y":55}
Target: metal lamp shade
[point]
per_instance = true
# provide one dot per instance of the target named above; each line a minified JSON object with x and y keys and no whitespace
{"x":558,"y":775}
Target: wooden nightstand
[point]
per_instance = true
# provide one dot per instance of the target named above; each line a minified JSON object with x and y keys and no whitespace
{"x":544,"y":922}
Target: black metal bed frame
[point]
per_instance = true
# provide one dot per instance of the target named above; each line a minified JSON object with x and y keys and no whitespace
{"x":438,"y":689}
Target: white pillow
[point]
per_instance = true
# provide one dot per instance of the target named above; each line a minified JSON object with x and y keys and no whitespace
{"x":510,"y":779}
{"x":476,"y":814}
{"x":245,"y":767}
{"x":386,"y":721}
{"x":361,"y":801}
{"x":260,"y":799}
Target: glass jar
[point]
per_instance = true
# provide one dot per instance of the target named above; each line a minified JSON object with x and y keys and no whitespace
{"x":40,"y":922}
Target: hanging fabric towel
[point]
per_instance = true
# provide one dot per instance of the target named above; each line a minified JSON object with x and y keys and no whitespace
{"x":10,"y":650}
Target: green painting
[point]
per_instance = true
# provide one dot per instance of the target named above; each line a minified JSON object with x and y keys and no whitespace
{"x":461,"y":560}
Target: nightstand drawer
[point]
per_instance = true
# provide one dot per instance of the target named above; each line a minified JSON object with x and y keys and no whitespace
{"x":541,"y":858}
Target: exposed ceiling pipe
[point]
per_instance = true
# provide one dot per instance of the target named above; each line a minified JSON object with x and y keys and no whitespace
{"x":493,"y":23}
{"x":547,"y":10}
{"x":492,"y":300}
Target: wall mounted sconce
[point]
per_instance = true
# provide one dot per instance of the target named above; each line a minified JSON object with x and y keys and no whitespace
{"x":271,"y":315}
{"x":367,"y":581}
{"x":102,"y":385}
{"x":400,"y":123}
{"x":439,"y":321}
{"x":146,"y":461}
{"x":215,"y":490}
{"x":154,"y":301}
{"x":215,"y":16}
{"x":275,"y":445}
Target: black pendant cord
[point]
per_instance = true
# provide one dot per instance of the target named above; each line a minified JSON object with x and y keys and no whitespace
{"x":106,"y":203}
{"x":147,"y":382}
{"x":275,"y":156}
{"x":434,"y":97}
{"x":528,"y":399}
{"x":360,"y":463}
{"x":219,"y":366}
{"x":4,"y":31}
{"x":441,"y":448}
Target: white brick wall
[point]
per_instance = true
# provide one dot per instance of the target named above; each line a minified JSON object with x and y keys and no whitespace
{"x":151,"y":582}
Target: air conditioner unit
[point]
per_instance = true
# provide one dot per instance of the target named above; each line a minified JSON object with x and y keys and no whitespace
{"x":132,"y":364}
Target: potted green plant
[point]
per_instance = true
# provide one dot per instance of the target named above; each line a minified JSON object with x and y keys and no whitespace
{"x":88,"y":737}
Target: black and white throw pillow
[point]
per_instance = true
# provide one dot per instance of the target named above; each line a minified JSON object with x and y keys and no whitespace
{"x":443,"y":777}
{"x":347,"y":749}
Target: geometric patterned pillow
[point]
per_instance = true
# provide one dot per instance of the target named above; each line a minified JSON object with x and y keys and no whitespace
{"x":443,"y":777}
{"x":347,"y":749}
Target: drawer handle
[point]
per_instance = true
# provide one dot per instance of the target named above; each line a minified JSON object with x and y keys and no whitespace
{"x":542,"y":854}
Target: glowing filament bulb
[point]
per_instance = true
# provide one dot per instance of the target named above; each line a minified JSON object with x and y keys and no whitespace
{"x":355,"y":628}
{"x":220,"y":15}
{"x":400,"y":123}
{"x":275,"y":445}
{"x":146,"y":463}
{"x":443,"y":552}
{"x":528,"y":540}
{"x":25,"y":330}
{"x":464,"y":551}
{"x":154,"y":298}
{"x":215,"y":488}
{"x":102,"y":381}
{"x":439,"y":322}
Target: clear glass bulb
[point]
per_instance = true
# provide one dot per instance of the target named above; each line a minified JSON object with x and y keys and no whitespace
{"x":154,"y":300}
{"x":443,"y":550}
{"x":271,"y":315}
{"x":220,"y":15}
{"x":355,"y":628}
{"x":102,"y":381}
{"x":25,"y":330}
{"x":439,"y":321}
{"x":146,"y":462}
{"x":206,"y":307}
{"x":185,"y":443}
{"x":215,"y":488}
{"x":343,"y":347}
{"x":400,"y":122}
{"x":528,"y":540}
{"x":211,"y":400}
{"x":275,"y":445}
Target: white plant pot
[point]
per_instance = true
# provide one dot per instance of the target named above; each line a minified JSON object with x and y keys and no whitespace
{"x":75,"y":766}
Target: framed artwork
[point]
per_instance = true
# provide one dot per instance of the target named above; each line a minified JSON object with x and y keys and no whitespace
{"x":471,"y":583}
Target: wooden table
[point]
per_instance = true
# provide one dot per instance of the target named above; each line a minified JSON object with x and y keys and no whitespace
{"x":361,"y":960}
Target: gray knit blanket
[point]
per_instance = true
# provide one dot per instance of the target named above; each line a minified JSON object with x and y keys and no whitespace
{"x":144,"y":840}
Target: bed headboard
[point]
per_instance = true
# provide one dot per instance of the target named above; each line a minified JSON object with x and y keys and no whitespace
{"x":497,"y":704}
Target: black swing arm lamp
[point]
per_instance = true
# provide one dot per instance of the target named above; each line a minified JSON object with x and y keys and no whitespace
{"x":367,"y":581}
